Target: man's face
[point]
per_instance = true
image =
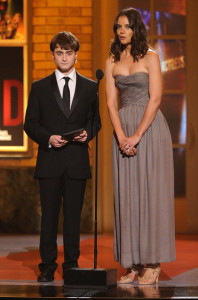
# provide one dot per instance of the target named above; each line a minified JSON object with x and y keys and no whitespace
{"x":64,"y":59}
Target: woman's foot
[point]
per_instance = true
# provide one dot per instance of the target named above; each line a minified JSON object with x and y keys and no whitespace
{"x":151,"y":275}
{"x":130,"y":277}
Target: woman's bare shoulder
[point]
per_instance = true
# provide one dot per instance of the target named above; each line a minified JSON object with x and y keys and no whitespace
{"x":151,"y":57}
{"x":151,"y":53}
{"x":110,"y":60}
{"x":110,"y":63}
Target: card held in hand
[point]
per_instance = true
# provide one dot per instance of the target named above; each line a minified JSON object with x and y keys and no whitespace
{"x":69,"y":136}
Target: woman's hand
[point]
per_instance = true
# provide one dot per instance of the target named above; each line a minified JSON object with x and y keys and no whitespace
{"x":128,"y":145}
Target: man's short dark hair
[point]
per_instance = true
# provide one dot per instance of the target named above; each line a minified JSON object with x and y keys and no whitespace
{"x":64,"y":40}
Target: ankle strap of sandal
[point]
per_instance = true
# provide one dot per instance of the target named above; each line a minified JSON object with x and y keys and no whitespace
{"x":152,"y":266}
{"x":137,"y":267}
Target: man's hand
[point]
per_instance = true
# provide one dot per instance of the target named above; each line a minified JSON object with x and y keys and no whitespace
{"x":81,"y":137}
{"x":56,"y":141}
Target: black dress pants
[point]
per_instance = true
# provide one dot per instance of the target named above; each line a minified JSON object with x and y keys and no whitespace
{"x":52,"y":191}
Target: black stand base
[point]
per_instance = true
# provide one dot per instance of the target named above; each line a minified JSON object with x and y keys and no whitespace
{"x":90,"y":278}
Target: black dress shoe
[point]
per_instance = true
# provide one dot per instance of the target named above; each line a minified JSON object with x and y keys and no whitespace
{"x":46,"y":275}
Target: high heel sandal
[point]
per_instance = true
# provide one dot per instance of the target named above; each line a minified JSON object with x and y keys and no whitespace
{"x":150,"y":276}
{"x":130,"y":277}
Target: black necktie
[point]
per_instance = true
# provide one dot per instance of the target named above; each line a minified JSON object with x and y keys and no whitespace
{"x":66,"y":94}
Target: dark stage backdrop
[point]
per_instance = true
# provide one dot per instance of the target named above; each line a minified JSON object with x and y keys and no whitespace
{"x":11,"y":96}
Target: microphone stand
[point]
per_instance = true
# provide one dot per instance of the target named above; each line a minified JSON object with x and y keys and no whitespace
{"x":92,"y":278}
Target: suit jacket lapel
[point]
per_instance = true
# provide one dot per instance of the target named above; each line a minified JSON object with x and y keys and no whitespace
{"x":57,"y":95}
{"x":77,"y":93}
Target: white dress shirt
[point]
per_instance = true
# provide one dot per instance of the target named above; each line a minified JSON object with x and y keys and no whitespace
{"x":61,"y":83}
{"x":71,"y":83}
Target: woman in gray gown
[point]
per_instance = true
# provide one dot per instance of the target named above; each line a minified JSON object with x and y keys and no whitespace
{"x":144,"y":233}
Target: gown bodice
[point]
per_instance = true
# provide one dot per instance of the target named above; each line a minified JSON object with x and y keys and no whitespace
{"x":133,"y":88}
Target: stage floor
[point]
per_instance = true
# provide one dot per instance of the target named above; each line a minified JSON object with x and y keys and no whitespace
{"x":19,"y":257}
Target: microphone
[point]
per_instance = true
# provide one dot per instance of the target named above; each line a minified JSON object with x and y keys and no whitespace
{"x":99,"y":74}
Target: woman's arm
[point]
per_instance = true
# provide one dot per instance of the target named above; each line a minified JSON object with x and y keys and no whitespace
{"x":111,"y":97}
{"x":155,"y":91}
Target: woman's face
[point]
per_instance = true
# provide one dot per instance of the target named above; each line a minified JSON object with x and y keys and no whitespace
{"x":124,"y":31}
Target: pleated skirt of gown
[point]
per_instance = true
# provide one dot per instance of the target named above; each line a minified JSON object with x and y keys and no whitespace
{"x":144,"y":229}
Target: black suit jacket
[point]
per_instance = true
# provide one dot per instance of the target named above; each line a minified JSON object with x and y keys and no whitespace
{"x":45,"y":116}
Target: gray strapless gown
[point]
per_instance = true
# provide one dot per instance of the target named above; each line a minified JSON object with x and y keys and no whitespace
{"x":143,"y":184}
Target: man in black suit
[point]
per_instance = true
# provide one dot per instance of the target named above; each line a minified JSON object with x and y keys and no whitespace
{"x":59,"y":103}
